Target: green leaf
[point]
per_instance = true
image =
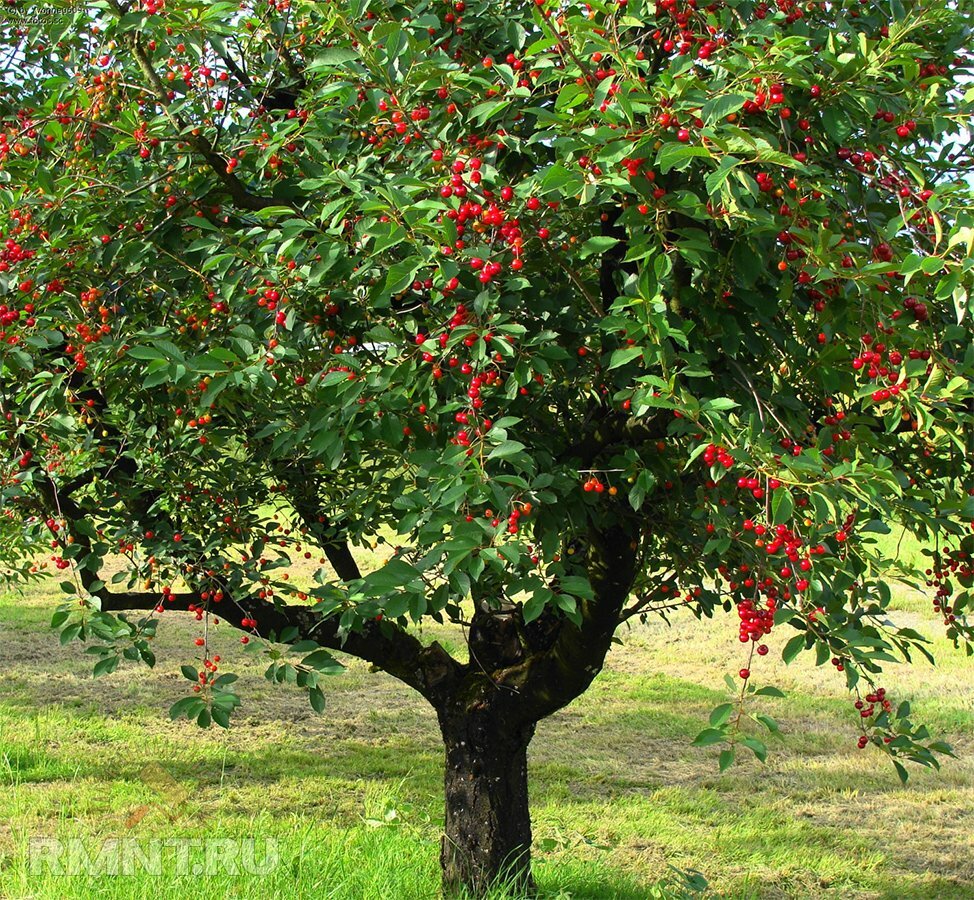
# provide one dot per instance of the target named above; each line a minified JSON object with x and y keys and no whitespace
{"x":70,"y":633}
{"x":719,"y":404}
{"x":571,"y":95}
{"x":758,"y":748}
{"x":782,"y":506}
{"x":837,"y":123}
{"x":597,"y":245}
{"x":190,"y":673}
{"x":577,"y":586}
{"x":716,"y":179}
{"x":322,"y":661}
{"x":105,"y":666}
{"x":486,"y":110}
{"x":146,"y":353}
{"x":391,"y":239}
{"x":675,"y":155}
{"x":535,"y":605}
{"x":332,"y":58}
{"x":770,"y":690}
{"x":505,"y":449}
{"x":401,"y":275}
{"x":768,"y":723}
{"x":875,"y":526}
{"x":169,"y":349}
{"x":793,"y":648}
{"x":624,"y":355}
{"x":709,"y":736}
{"x":726,"y":759}
{"x":155,"y":377}
{"x":721,"y":714}
{"x":645,"y":481}
{"x":396,"y":573}
{"x":721,"y":107}
{"x":317,"y":698}
{"x":189,"y":707}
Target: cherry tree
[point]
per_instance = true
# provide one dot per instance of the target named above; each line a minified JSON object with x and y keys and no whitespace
{"x":579,"y":312}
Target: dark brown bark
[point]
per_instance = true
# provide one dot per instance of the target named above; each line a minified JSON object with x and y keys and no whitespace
{"x":487,"y":832}
{"x":489,"y":717}
{"x":551,"y":679}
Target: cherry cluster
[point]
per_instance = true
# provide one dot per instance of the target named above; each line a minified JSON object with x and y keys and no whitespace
{"x":686,"y":37}
{"x":594,"y":484}
{"x":783,"y":540}
{"x":756,"y":623}
{"x":717,"y":455}
{"x":792,"y":9}
{"x":13,"y":253}
{"x":773,"y":95}
{"x":903,"y":130}
{"x":208,"y":674}
{"x":951,"y":566}
{"x":867,"y":709}
{"x":871,"y":363}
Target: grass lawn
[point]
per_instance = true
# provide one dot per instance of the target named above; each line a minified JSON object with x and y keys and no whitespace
{"x":353,"y":797}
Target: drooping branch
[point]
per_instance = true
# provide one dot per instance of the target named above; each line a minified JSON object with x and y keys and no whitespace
{"x":427,"y":669}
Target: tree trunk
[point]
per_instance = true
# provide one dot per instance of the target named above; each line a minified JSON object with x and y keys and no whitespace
{"x":487,"y":838}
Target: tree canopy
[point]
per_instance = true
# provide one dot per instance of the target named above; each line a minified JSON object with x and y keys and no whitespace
{"x":581,"y":312}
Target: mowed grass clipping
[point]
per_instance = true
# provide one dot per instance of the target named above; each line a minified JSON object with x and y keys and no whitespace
{"x":353,"y":797}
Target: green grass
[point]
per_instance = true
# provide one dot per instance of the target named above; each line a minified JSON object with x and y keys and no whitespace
{"x":353,"y":797}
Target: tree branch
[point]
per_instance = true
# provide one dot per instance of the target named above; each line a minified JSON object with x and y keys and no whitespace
{"x":235,"y":187}
{"x":303,"y":490}
{"x":427,"y":669}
